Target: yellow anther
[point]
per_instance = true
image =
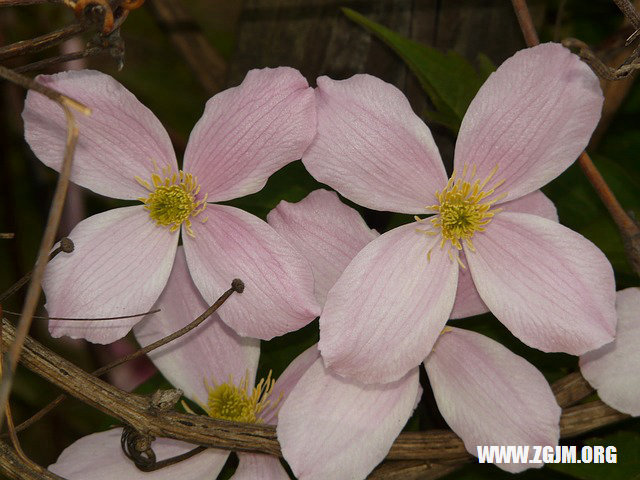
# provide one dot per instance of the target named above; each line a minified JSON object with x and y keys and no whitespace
{"x":463,"y":210}
{"x":173,"y":198}
{"x":229,"y":401}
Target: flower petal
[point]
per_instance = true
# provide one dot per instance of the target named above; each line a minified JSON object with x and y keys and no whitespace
{"x":473,"y":377}
{"x":254,"y":465}
{"x":613,"y":369}
{"x":99,"y":456}
{"x":535,"y":203}
{"x":278,"y":295}
{"x":288,"y":380}
{"x":468,"y":302}
{"x":119,"y":140}
{"x":120,"y":264}
{"x":331,"y":427}
{"x":532,"y":118}
{"x":372,"y":148}
{"x":387,"y":309}
{"x":325,"y":231}
{"x":549,"y":285}
{"x":212,"y":351}
{"x":248,"y":132}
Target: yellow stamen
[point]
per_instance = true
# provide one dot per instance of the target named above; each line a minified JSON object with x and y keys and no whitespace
{"x":173,"y":200}
{"x":463,"y":210}
{"x":229,"y":401}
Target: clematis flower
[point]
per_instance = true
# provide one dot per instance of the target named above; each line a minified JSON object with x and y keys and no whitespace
{"x":215,"y":368}
{"x":613,"y":369}
{"x":123,"y":257}
{"x":333,"y":427}
{"x":551,"y":287}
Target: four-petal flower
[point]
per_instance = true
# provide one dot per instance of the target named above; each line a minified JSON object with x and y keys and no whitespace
{"x":123,"y":257}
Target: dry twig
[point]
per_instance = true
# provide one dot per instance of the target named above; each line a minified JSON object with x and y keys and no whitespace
{"x":33,"y":292}
{"x":434,"y":446}
{"x":236,"y":286}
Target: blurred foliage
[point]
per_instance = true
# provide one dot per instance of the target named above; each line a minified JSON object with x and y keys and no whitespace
{"x":160,"y":79}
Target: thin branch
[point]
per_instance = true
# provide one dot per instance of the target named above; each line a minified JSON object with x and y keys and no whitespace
{"x":10,"y":425}
{"x":628,"y":10}
{"x":89,"y":52}
{"x":629,"y":229}
{"x":42,"y":42}
{"x":77,"y":319}
{"x":600,"y":68}
{"x":33,"y":292}
{"x":65,"y":102}
{"x":434,"y":446}
{"x":526,"y":22}
{"x":22,"y":3}
{"x":11,"y":466}
{"x":236,"y":286}
{"x":66,"y":245}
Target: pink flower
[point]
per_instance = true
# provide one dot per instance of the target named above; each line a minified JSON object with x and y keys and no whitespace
{"x":333,"y":427}
{"x":550,"y":286}
{"x":214,"y":367}
{"x":123,"y":257}
{"x":614,"y":370}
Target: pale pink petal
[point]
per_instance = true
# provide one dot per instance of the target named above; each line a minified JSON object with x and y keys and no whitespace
{"x":287,"y":381}
{"x":490,"y":396}
{"x":120,"y":264}
{"x":331,"y":427}
{"x":254,"y":466}
{"x":278,"y":295}
{"x":249,"y":132}
{"x":387,"y":309}
{"x":614,"y":369}
{"x":532,"y":118}
{"x":99,"y":457}
{"x":119,"y":140}
{"x":549,"y":285}
{"x":468,"y":302}
{"x":372,"y":148}
{"x":210,"y":352}
{"x":325,"y":231}
{"x":535,"y":203}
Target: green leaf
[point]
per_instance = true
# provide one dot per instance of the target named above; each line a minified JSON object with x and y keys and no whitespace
{"x":450,"y":81}
{"x":627,"y":466}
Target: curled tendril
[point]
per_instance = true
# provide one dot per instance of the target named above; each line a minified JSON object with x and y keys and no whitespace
{"x":137,"y":447}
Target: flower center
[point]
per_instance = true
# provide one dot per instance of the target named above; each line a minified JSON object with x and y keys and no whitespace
{"x":229,"y":401}
{"x":173,"y":198}
{"x":462,"y":208}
